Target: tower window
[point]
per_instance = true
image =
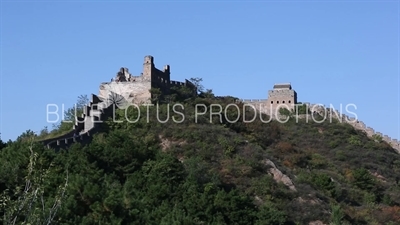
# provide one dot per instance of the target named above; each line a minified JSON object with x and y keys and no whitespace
{"x":283,"y":101}
{"x":272,"y":102}
{"x":277,"y":102}
{"x":289,"y":101}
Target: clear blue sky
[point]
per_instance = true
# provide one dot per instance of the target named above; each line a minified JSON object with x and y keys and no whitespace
{"x":333,"y":52}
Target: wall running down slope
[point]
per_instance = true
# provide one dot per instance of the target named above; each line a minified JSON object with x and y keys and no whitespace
{"x":357,"y":124}
{"x":84,"y":127}
{"x":328,"y":114}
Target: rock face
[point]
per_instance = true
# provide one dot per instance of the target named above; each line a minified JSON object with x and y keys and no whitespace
{"x":279,"y":176}
{"x":136,"y":92}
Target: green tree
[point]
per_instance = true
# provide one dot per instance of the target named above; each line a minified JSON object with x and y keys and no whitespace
{"x":363,"y":179}
{"x":337,"y":215}
{"x":26,"y":203}
{"x":70,"y":115}
{"x":2,"y":144}
{"x":197,"y":83}
{"x":77,"y":109}
{"x":301,"y":109}
{"x":284,"y":112}
{"x":207,"y":94}
{"x":155,"y":95}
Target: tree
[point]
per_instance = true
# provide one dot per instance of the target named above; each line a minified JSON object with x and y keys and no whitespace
{"x":284,"y":112}
{"x":182,"y":93}
{"x":77,"y":110}
{"x":208,"y":94}
{"x":71,"y":113}
{"x":337,"y":215}
{"x":363,"y":179}
{"x":197,"y":83}
{"x":26,"y":204}
{"x":301,"y":109}
{"x":155,"y":94}
{"x":2,"y":144}
{"x":27,"y":136}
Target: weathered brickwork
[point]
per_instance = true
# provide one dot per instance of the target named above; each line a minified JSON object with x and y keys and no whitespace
{"x":329,"y":113}
{"x":136,"y":89}
{"x":283,"y":96}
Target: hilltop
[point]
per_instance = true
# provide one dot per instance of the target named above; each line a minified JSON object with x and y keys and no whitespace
{"x":203,"y":169}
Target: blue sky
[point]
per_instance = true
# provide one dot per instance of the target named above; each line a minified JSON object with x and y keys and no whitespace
{"x":333,"y":52}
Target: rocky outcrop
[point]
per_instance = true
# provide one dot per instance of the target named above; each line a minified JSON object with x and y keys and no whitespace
{"x":279,"y":176}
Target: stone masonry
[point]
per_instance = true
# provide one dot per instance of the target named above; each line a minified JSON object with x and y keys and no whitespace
{"x":283,"y":96}
{"x":85,"y":125}
{"x":136,"y":89}
{"x":330,"y":113}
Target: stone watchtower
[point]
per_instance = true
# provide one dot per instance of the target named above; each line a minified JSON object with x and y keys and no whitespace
{"x":282,"y":94}
{"x":148,"y":65}
{"x":151,"y":73}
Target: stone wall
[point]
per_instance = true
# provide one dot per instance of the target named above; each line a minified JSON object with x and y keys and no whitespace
{"x":85,"y":126}
{"x":282,"y":96}
{"x":264,"y":106}
{"x":136,"y":89}
{"x":330,"y":114}
{"x":123,"y":89}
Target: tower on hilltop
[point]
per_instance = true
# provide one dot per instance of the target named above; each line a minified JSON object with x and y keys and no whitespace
{"x":282,"y":93}
{"x":138,"y":88}
{"x":150,"y":72}
{"x":148,"y":65}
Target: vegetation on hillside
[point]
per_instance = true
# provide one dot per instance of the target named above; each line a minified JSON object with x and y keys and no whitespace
{"x":202,"y":169}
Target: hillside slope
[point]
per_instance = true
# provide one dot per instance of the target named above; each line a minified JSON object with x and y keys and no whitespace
{"x":207,"y":172}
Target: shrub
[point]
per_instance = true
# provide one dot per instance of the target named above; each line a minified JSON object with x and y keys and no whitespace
{"x":363,"y":179}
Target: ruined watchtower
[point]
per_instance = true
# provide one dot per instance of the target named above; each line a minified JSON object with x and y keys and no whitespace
{"x":137,"y":89}
{"x":150,"y":72}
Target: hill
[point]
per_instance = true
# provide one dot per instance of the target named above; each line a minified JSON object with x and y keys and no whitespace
{"x":197,"y":168}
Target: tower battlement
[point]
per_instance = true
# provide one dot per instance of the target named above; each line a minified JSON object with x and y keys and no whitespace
{"x":138,"y":88}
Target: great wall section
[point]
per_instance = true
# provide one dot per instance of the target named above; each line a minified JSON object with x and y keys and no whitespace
{"x":327,"y":113}
{"x":85,"y":126}
{"x":137,"y":90}
{"x":97,"y":110}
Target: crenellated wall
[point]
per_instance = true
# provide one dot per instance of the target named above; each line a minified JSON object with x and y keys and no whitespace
{"x":122,"y":89}
{"x":85,"y":126}
{"x":136,"y":89}
{"x":281,"y":96}
{"x":357,"y":124}
{"x":263,"y":106}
